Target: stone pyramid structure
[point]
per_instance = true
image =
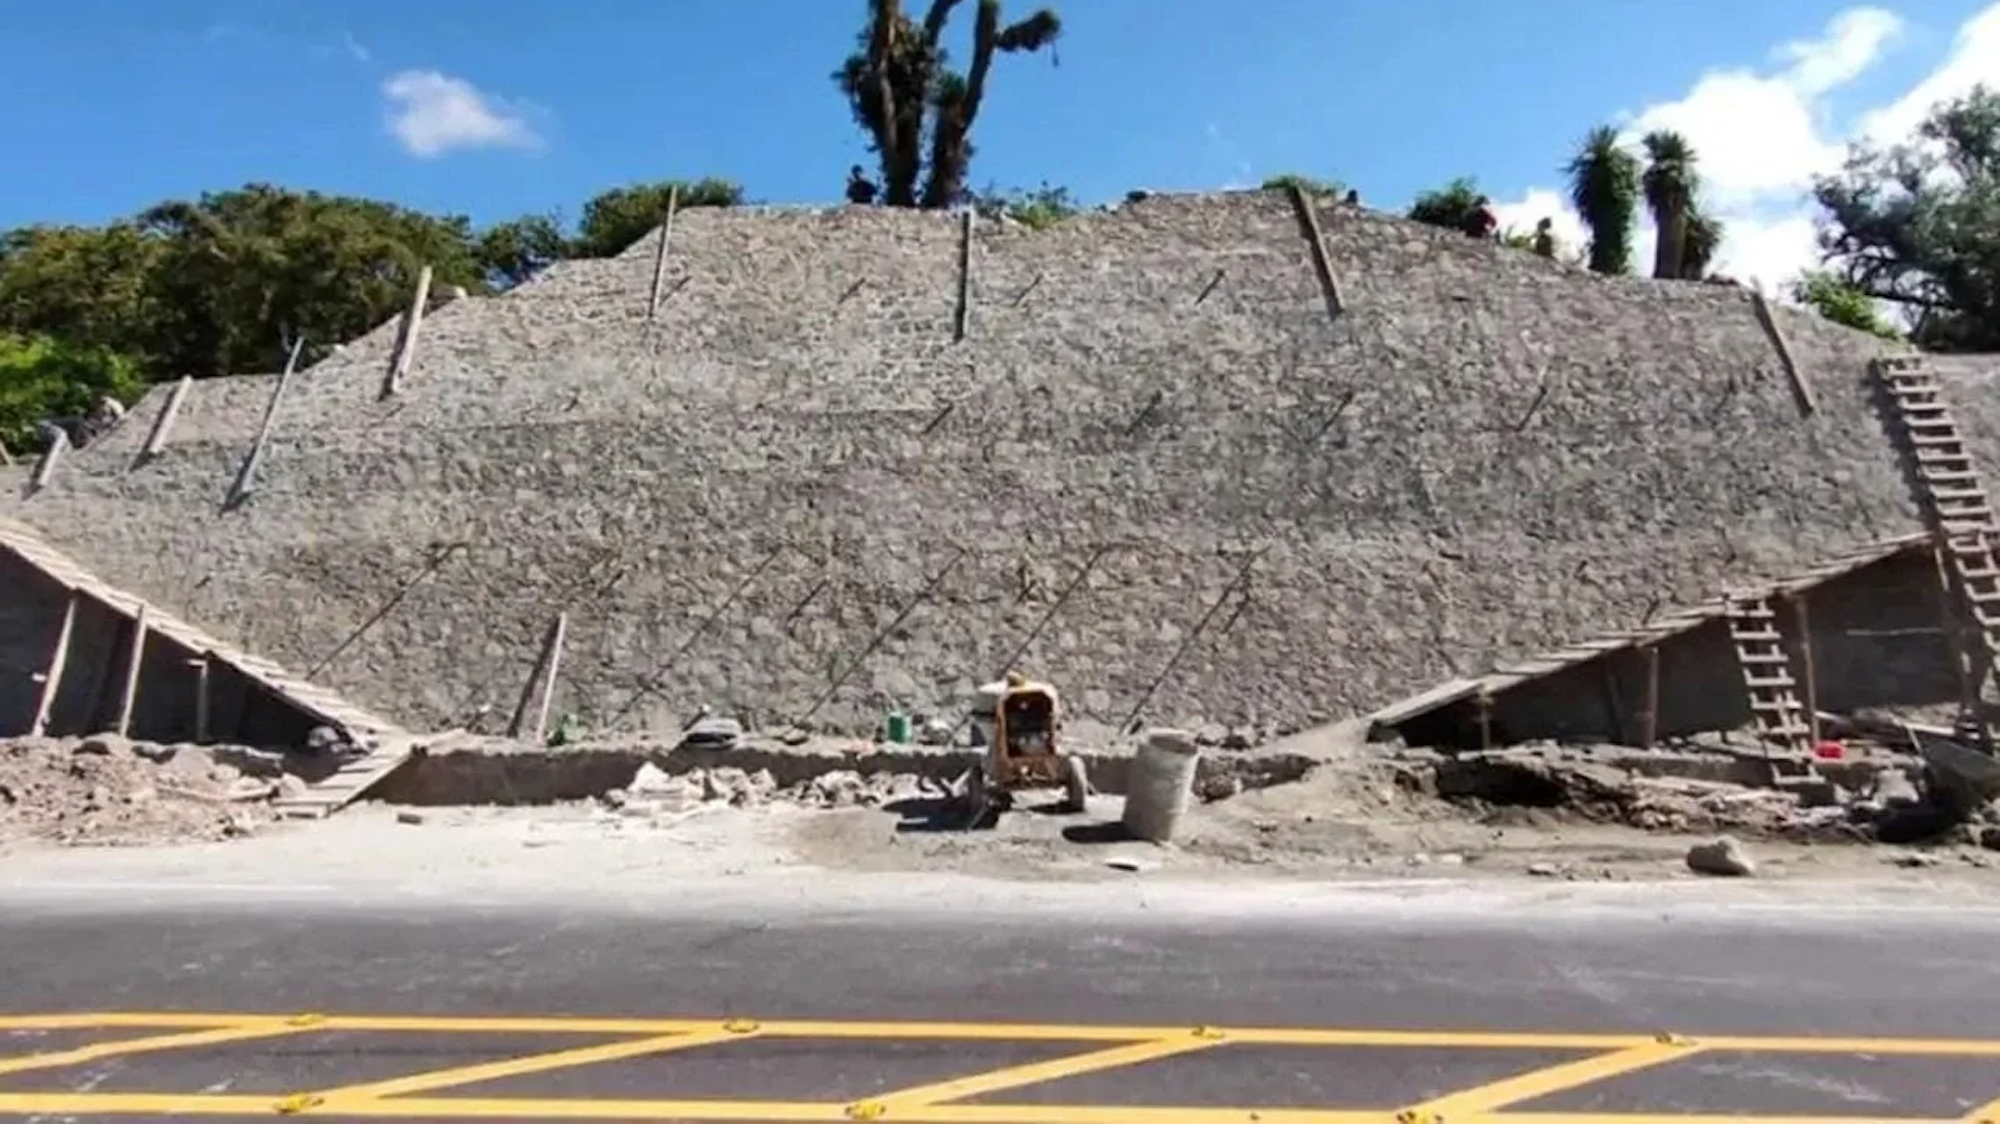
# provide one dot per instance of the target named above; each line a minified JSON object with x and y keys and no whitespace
{"x":1201,"y":459}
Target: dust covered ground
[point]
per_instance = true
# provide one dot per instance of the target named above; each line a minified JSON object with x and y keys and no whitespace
{"x":107,"y":791}
{"x":1359,"y":815}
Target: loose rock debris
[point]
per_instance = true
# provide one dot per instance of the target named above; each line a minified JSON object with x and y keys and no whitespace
{"x":108,"y":791}
{"x":653,"y":790}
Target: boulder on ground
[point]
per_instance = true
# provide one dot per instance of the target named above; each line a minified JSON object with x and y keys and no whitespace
{"x":1724,"y":857}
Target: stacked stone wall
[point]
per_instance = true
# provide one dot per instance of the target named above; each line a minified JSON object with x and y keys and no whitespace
{"x":795,"y":491}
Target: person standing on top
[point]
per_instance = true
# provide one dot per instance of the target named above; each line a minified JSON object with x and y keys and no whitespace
{"x":860,"y":190}
{"x":1545,"y":238}
{"x":1480,"y":221}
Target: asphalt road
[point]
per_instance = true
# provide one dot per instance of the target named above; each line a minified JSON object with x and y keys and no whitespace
{"x":1626,"y":972}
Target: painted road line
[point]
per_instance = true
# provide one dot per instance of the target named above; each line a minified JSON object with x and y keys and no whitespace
{"x":1034,"y":1073}
{"x":187,"y":1040}
{"x":1553,"y":1079}
{"x":728,"y":1112}
{"x":343,"y":1097}
{"x":102,"y":1021}
{"x":1018,"y":1032}
{"x":1988,"y":1113}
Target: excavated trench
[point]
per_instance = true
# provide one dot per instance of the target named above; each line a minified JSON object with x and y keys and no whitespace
{"x":529,"y":776}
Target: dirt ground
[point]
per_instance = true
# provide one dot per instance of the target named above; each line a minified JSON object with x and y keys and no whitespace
{"x":107,"y":791}
{"x":1354,"y":817}
{"x":1337,"y":823}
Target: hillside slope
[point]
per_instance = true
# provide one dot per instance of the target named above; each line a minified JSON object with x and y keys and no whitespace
{"x":798,"y":492}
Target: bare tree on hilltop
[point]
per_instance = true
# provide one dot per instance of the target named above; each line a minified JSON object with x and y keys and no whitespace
{"x":903,"y":91}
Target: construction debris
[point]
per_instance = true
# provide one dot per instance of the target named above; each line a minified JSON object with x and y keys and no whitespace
{"x":107,"y":791}
{"x":654,"y":791}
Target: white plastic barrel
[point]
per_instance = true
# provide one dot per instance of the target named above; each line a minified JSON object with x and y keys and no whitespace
{"x":1161,"y":783}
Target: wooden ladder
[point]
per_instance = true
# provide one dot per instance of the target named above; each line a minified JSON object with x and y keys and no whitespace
{"x":1767,"y":671}
{"x":1956,"y":504}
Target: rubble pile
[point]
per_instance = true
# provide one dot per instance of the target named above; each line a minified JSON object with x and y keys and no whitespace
{"x":108,"y":791}
{"x":654,"y":790}
{"x":1940,"y":793}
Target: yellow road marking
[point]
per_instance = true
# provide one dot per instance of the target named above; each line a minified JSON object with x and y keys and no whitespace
{"x":102,"y":1021}
{"x":144,"y":1104}
{"x":1988,"y":1113}
{"x":1018,"y":1032}
{"x":344,"y":1097}
{"x":1706,"y":1118}
{"x":150,"y":1044}
{"x":1553,"y":1079}
{"x":1034,"y":1073}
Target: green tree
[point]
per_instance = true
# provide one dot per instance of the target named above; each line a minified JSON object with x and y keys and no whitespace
{"x":86,"y":285}
{"x":902,"y":91}
{"x":1039,"y":209}
{"x":613,"y":220}
{"x":514,"y":251}
{"x":1447,"y":206}
{"x":242,"y":274}
{"x":42,"y":378}
{"x":1670,"y":184}
{"x":1604,"y":187}
{"x":1704,"y":238}
{"x":1917,"y":225}
{"x":1830,"y":296}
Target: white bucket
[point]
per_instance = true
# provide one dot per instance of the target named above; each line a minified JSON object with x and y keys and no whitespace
{"x":1161,"y":783}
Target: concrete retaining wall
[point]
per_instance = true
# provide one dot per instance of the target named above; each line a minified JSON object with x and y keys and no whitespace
{"x":797,"y":476}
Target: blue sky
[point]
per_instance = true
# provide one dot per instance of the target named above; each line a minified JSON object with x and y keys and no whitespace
{"x":122,"y":103}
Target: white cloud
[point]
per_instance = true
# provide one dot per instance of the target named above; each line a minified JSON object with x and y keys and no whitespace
{"x":432,"y":113}
{"x":1974,"y":58}
{"x":1762,"y":135}
{"x":355,"y":50}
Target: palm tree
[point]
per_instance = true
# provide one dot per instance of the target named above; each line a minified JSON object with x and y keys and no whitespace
{"x":1704,"y":238}
{"x":1604,"y":186}
{"x":1670,"y":185}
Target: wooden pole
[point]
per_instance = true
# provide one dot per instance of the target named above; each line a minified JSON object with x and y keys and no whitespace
{"x":547,"y":664}
{"x":1805,"y":652}
{"x":552,"y":654}
{"x":52,"y":677}
{"x":246,"y":477}
{"x":201,"y":703}
{"x":134,"y":659}
{"x":1954,"y":638}
{"x":6,"y":458}
{"x":46,"y":467}
{"x":406,"y":344}
{"x":1614,"y":707}
{"x":157,"y":440}
{"x":660,"y":254}
{"x":1649,"y":730}
{"x":962,"y":316}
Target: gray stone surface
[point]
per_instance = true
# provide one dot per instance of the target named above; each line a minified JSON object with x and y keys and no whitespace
{"x":1487,"y":455}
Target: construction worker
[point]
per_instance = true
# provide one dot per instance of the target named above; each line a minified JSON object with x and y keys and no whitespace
{"x":860,"y":189}
{"x":1545,"y":238}
{"x":1480,"y":221}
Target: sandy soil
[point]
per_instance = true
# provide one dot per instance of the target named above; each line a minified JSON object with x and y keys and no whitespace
{"x":1350,"y":819}
{"x":111,"y":792}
